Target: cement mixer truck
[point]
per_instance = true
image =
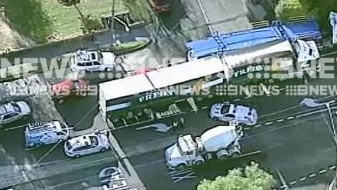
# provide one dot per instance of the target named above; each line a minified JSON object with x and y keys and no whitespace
{"x":220,"y":142}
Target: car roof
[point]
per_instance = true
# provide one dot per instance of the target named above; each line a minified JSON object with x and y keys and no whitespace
{"x":43,"y":127}
{"x":82,"y":56}
{"x":80,"y":141}
{"x":6,"y":108}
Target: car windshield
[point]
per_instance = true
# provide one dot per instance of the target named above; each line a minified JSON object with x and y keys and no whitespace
{"x":68,"y":146}
{"x":16,"y":107}
{"x":224,"y":109}
{"x":310,"y":51}
{"x":179,"y":149}
{"x":93,"y":140}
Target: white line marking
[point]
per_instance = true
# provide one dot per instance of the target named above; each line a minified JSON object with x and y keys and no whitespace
{"x":322,"y":171}
{"x":247,"y":97}
{"x":293,"y":182}
{"x":329,"y":54}
{"x":12,"y":128}
{"x":291,"y":117}
{"x":149,"y":163}
{"x":179,"y":171}
{"x":268,"y":123}
{"x":332,"y":167}
{"x":256,"y":126}
{"x":303,"y":178}
{"x":236,"y":100}
{"x":205,"y":107}
{"x":279,"y":120}
{"x":312,"y":175}
{"x":246,"y":129}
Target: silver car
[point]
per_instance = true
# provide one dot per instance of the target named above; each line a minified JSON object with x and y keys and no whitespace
{"x":13,"y":111}
{"x":234,"y":113}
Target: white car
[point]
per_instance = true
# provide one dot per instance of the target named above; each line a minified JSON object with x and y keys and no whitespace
{"x":234,"y":113}
{"x":13,"y":111}
{"x":86,"y":144}
{"x":91,"y":61}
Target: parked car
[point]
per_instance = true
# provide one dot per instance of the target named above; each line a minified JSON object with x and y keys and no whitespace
{"x":45,"y":133}
{"x":70,"y":87}
{"x":84,"y":60}
{"x":230,"y":112}
{"x":86,"y":144}
{"x":13,"y":111}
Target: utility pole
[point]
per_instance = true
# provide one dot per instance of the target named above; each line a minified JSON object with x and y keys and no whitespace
{"x":333,"y":185}
{"x":112,"y":22}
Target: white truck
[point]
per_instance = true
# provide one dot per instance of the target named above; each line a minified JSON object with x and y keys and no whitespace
{"x":220,"y":142}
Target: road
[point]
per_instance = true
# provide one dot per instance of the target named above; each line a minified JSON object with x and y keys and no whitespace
{"x":288,"y":146}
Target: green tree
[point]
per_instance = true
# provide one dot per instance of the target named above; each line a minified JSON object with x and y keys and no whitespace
{"x":90,"y":24}
{"x":251,"y":177}
{"x":74,"y":3}
{"x":286,"y":9}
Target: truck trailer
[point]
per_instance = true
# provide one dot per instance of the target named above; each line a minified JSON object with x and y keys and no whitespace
{"x":220,"y":142}
{"x":304,"y":31}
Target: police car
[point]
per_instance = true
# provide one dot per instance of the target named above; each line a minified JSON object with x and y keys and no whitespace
{"x":84,"y":60}
{"x":234,"y":113}
{"x":13,"y":111}
{"x":45,"y":133}
{"x":86,"y":144}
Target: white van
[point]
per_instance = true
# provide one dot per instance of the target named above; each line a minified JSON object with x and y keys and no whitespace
{"x":45,"y":133}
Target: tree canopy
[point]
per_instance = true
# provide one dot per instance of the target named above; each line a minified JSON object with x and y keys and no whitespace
{"x":251,"y":177}
{"x":286,"y":9}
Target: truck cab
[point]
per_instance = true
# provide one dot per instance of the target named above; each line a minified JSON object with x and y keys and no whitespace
{"x":306,"y":59}
{"x":219,"y":142}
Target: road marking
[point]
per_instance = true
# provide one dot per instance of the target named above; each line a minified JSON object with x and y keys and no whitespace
{"x":312,"y":175}
{"x":291,"y":117}
{"x":292,"y":182}
{"x":236,"y":100}
{"x":205,"y":107}
{"x":179,"y":175}
{"x":303,"y":178}
{"x":279,"y":120}
{"x":13,"y":128}
{"x":268,"y":123}
{"x":332,"y":167}
{"x":257,"y":126}
{"x":322,"y":171}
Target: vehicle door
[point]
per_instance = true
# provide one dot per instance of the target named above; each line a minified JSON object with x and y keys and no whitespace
{"x":97,"y":66}
{"x":229,"y":117}
{"x":89,"y":66}
{"x":10,"y":117}
{"x":190,"y":157}
{"x":83,"y":150}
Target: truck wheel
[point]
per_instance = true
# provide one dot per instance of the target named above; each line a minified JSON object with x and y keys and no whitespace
{"x":215,"y":118}
{"x":235,"y":155}
{"x":181,"y":167}
{"x":222,"y":154}
{"x":199,"y":162}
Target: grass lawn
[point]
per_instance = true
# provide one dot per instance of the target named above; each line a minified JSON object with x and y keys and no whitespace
{"x":39,"y":19}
